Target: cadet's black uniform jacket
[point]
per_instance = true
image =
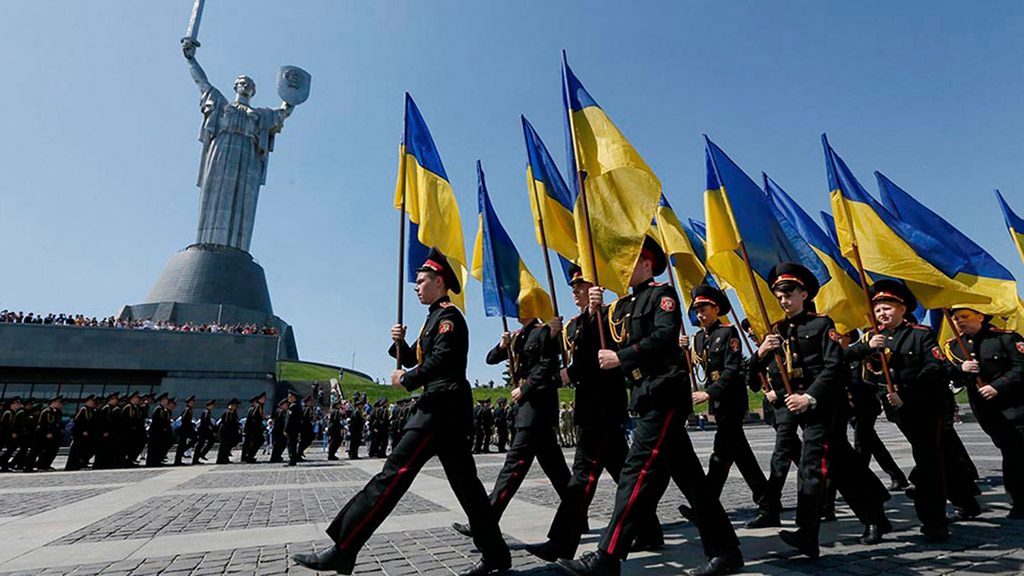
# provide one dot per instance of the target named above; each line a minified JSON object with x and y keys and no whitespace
{"x":228,"y":430}
{"x":254,"y":423}
{"x":815,"y":363}
{"x":600,"y":394}
{"x":717,"y":349}
{"x":186,"y":428}
{"x":917,"y":366}
{"x":160,"y":428}
{"x":1000,"y":354}
{"x":205,"y":429}
{"x":293,"y":423}
{"x":645,"y":326}
{"x":535,"y":365}
{"x":437,"y":364}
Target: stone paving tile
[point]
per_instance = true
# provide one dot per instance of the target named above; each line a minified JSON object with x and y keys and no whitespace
{"x":61,"y":478}
{"x":437,"y":551}
{"x":270,"y":477}
{"x":189,"y":513}
{"x":31,"y":503}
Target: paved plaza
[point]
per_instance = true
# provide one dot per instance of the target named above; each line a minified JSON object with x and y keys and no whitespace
{"x":247,"y":519}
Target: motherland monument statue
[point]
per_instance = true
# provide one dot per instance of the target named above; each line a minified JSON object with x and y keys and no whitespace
{"x":216,"y":280}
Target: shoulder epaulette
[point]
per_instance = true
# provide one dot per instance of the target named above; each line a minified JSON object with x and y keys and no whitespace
{"x":659,"y":283}
{"x":1001,"y":330}
{"x":447,"y":304}
{"x":920,"y":327}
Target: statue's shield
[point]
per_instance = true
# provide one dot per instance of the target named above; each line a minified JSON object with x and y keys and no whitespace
{"x":293,"y":84}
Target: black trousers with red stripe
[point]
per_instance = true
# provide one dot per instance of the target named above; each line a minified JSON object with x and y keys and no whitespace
{"x":538,"y":442}
{"x":597,"y":448}
{"x":662,"y":451}
{"x":826,"y":456}
{"x":937,"y":475}
{"x":731,"y":446}
{"x":357,"y":521}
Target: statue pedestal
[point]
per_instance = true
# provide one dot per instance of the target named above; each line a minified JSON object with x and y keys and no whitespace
{"x":207,"y":283}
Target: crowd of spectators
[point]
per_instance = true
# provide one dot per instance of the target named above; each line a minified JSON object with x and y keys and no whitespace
{"x":10,"y":317}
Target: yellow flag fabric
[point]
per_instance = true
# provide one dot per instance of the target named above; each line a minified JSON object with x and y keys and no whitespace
{"x":622,"y":191}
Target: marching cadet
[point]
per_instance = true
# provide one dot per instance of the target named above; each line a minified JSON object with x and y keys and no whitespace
{"x":14,"y":432}
{"x":600,"y":413}
{"x":9,"y":433}
{"x":439,"y":425}
{"x":716,"y":347}
{"x":645,"y":328}
{"x":161,"y":432}
{"x":484,"y":426}
{"x":307,"y":434}
{"x":787,"y":445}
{"x":108,"y":420}
{"x":501,"y":424}
{"x":335,"y":431}
{"x":228,"y":432}
{"x":253,"y":437}
{"x":866,"y":408}
{"x":813,"y":360}
{"x":921,"y":395}
{"x":127,"y":430}
{"x":356,"y":423}
{"x":49,"y":435}
{"x":379,"y":428}
{"x":139,"y":433}
{"x":293,"y":428}
{"x":278,"y":439}
{"x":994,"y":377}
{"x":83,"y":437}
{"x":535,"y":355}
{"x":186,"y":431}
{"x":206,"y":433}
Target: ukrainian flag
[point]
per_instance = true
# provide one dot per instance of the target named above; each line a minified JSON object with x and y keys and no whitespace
{"x":509,"y":288}
{"x":1013,"y":223}
{"x":981,"y":272}
{"x":841,"y":297}
{"x":738,"y":213}
{"x":670,"y":233}
{"x":889,"y":246}
{"x":695,"y":233}
{"x":433,"y":213}
{"x":550,"y":199}
{"x":621,"y":190}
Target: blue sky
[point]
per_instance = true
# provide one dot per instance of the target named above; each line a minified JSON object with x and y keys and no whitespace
{"x":99,"y":151}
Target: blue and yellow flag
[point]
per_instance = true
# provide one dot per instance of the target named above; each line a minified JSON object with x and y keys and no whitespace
{"x":737,"y":212}
{"x":551,"y":200}
{"x":433,"y":213}
{"x":669,"y":232}
{"x":889,"y":246}
{"x":1013,"y":223}
{"x":509,"y":288}
{"x":982,"y":272}
{"x":621,"y":190}
{"x":841,"y":296}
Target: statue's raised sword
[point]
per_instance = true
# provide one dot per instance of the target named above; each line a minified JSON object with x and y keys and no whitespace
{"x":192,"y":33}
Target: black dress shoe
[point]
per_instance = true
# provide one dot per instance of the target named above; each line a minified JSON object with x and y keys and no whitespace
{"x":483,"y":568}
{"x":828,"y":515}
{"x":332,"y":457}
{"x":963,"y":514}
{"x":874,"y":532}
{"x":724,"y":564}
{"x":647,"y":544}
{"x":935,"y":533}
{"x":592,"y":564}
{"x":329,"y":559}
{"x":463,"y":529}
{"x":804,"y":544}
{"x":548,"y":551}
{"x":765,"y":520}
{"x":686,"y":512}
{"x":899,"y":484}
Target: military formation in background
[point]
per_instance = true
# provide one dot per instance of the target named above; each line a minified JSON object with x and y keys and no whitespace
{"x":144,"y":430}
